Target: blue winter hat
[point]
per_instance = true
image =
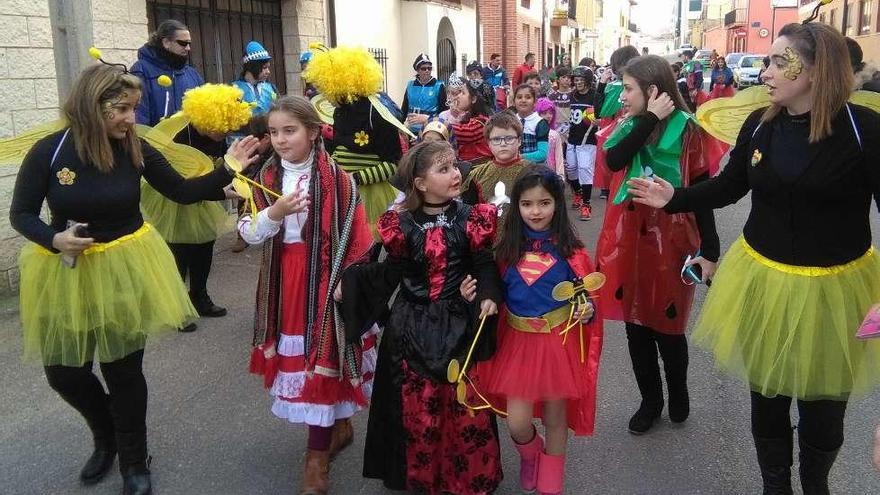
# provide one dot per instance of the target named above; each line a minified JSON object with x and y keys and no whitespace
{"x":254,"y":52}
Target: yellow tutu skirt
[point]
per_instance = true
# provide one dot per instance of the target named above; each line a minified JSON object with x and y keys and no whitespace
{"x":197,"y":223}
{"x":790,"y":330}
{"x":376,"y":198}
{"x":119,"y":293}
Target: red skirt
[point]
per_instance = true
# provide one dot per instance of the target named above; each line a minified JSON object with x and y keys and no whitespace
{"x":538,"y":367}
{"x":303,"y":393}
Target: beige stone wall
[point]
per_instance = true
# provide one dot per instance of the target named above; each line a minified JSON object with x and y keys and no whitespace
{"x":119,"y":28}
{"x":32,"y":67}
{"x":302,"y":22}
{"x":28,"y":96}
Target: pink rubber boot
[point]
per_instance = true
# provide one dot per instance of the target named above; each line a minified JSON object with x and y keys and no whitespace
{"x":529,"y":454}
{"x":551,"y":474}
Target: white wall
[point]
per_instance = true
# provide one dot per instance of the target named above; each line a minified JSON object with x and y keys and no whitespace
{"x":404,"y":29}
{"x":376,"y":24}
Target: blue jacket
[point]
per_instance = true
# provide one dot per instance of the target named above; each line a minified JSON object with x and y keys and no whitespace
{"x":264,"y":93}
{"x":495,"y":77}
{"x":149,"y":67}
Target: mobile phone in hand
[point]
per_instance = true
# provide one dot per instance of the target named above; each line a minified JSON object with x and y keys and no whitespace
{"x":80,"y":231}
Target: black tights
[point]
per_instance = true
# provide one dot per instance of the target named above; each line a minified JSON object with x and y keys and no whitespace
{"x":119,"y":418}
{"x":644,"y":344}
{"x":820,"y":426}
{"x":195,"y":260}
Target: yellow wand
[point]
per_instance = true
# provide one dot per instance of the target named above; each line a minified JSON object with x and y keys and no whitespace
{"x":457,"y":374}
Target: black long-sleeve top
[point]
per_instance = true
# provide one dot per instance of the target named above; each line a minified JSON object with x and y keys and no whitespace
{"x":810,"y":201}
{"x":620,"y":156}
{"x":108,"y":202}
{"x":580,"y":124}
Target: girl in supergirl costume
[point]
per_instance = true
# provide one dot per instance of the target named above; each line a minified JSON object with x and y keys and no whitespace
{"x":641,"y":250}
{"x":314,"y":230}
{"x":547,"y":362}
{"x":419,"y":437}
{"x":97,"y":280}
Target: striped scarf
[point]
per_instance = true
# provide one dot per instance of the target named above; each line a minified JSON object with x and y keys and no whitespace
{"x":328,"y":229}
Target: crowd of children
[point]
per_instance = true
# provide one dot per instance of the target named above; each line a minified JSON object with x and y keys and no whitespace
{"x":457,"y":247}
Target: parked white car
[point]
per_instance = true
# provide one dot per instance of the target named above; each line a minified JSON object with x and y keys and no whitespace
{"x":745,"y":72}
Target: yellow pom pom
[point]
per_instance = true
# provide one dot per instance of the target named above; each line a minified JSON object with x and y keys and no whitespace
{"x":216,"y":108}
{"x":94,"y":53}
{"x":164,"y":81}
{"x":344,"y":74}
{"x":315,"y":45}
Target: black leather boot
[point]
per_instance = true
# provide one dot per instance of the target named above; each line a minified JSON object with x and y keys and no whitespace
{"x":815,"y":466}
{"x":205,"y":306}
{"x":136,"y":479}
{"x":775,"y":459}
{"x":643,"y":352}
{"x":99,"y":463}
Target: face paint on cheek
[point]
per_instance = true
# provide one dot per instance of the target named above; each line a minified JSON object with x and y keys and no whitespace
{"x":794,"y":66}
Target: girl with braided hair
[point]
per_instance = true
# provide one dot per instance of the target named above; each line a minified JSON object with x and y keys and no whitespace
{"x":311,"y":227}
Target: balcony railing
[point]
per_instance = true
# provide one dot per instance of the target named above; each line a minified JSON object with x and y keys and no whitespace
{"x":735,"y":17}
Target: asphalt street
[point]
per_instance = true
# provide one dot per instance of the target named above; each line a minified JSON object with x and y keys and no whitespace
{"x":210,"y":429}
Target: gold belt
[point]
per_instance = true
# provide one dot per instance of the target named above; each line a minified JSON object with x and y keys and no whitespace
{"x":806,"y":271}
{"x":539,"y":324}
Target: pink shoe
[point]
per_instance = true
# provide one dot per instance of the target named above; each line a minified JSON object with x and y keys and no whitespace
{"x":551,"y":474}
{"x":529,"y":453}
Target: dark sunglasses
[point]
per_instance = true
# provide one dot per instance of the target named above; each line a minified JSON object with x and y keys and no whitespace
{"x":183,"y":43}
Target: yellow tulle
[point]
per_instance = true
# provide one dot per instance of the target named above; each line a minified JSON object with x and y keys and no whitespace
{"x":197,"y":223}
{"x":792,"y":333}
{"x":376,"y":197}
{"x":117,"y":295}
{"x":344,"y":74}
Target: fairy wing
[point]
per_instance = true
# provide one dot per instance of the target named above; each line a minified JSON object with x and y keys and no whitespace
{"x":186,"y":160}
{"x":388,"y":116}
{"x":324,"y":107}
{"x":723,"y":117}
{"x":14,"y":149}
{"x":868,"y":99}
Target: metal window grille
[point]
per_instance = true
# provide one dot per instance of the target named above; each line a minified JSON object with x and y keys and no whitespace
{"x":220,"y":30}
{"x":381,"y":56}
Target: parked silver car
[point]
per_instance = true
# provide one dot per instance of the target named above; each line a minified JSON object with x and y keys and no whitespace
{"x":746,"y":70}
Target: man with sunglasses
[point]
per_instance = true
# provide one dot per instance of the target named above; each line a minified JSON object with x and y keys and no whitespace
{"x":166,"y":53}
{"x":425,"y":96}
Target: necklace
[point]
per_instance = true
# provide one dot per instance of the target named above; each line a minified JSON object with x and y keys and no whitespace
{"x":437,"y":205}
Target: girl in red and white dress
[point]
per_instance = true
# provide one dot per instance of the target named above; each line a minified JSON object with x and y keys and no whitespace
{"x":310,"y":234}
{"x":547,"y":362}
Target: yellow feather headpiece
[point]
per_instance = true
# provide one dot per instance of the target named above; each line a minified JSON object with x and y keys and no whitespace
{"x":344,"y":74}
{"x":216,"y":108}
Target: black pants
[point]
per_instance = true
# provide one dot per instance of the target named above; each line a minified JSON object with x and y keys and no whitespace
{"x":194,"y":260}
{"x":820,"y":426}
{"x":644,"y":344}
{"x":119,"y":418}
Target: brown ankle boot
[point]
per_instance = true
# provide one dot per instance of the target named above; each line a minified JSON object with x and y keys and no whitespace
{"x":342,"y":436}
{"x":316,"y":478}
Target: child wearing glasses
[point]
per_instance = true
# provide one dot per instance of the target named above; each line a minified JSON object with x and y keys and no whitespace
{"x":504,"y":134}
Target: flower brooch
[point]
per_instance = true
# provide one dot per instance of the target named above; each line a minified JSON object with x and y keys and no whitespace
{"x":756,"y":158}
{"x":361,"y":138}
{"x":66,"y":176}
